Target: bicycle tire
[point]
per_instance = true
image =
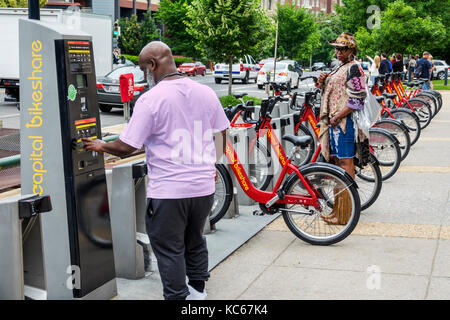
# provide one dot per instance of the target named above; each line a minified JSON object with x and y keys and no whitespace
{"x":372,"y":182}
{"x":422,"y":110}
{"x":303,"y":156}
{"x":315,"y":173}
{"x":411,"y":121}
{"x":432,"y":101}
{"x":256,"y":171}
{"x":400,"y":131}
{"x":381,"y":141}
{"x":438,"y":96}
{"x":221,"y":205}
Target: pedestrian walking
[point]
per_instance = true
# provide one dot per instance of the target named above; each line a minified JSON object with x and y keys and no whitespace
{"x":175,"y":120}
{"x":384,"y":64}
{"x":423,"y":70}
{"x":373,"y":70}
{"x":430,"y":58}
{"x":411,"y":65}
{"x":343,"y":91}
{"x":397,"y":66}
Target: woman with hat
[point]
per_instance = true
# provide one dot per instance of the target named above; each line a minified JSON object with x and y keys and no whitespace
{"x":343,"y":91}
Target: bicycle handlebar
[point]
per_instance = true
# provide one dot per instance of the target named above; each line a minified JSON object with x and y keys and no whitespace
{"x":309,"y":77}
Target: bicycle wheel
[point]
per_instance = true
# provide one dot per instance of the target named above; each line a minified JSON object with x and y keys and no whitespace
{"x":400,"y":131}
{"x":411,"y":121}
{"x":432,"y":101}
{"x":310,"y":224}
{"x":223,"y":194}
{"x":260,"y":166}
{"x":302,"y":156}
{"x":438,"y":96}
{"x":385,"y":148}
{"x":422,"y":109}
{"x":369,"y":181}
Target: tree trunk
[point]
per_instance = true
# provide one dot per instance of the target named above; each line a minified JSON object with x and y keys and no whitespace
{"x":230,"y":74}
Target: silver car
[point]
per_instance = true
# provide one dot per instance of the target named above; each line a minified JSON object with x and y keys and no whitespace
{"x":439,"y":71}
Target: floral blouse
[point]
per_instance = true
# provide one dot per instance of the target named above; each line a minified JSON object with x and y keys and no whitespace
{"x":344,"y":87}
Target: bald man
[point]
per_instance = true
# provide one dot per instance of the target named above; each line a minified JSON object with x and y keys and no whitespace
{"x":175,"y":120}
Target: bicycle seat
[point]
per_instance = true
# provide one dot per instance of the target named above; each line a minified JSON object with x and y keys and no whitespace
{"x":301,"y":142}
{"x":239,"y":95}
{"x":379,"y":99}
{"x":389,"y":95}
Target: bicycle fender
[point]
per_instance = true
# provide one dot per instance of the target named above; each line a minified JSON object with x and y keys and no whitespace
{"x":387,"y":132}
{"x":398,"y":122}
{"x":326,"y":166}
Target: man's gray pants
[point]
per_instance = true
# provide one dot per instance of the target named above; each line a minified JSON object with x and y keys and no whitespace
{"x":175,"y":228}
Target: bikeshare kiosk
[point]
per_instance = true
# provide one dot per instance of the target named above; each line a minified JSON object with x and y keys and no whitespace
{"x":71,"y":254}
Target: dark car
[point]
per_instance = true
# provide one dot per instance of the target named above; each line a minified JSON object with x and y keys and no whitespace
{"x":108,"y":88}
{"x":318,"y":66}
{"x":192,"y":68}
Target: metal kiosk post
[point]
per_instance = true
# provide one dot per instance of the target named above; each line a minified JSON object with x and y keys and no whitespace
{"x":17,"y":213}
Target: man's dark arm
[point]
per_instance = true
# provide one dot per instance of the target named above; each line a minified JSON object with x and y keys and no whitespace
{"x":116,"y":147}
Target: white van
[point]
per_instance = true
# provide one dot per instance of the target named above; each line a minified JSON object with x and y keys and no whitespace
{"x":244,"y":70}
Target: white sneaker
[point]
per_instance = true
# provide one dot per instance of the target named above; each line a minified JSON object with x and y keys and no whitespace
{"x":196,"y":295}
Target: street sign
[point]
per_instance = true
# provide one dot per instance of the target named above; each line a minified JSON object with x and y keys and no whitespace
{"x":116,"y":53}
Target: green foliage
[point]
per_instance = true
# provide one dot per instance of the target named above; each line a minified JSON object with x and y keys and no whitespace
{"x":231,"y":100}
{"x":435,"y":14}
{"x":181,"y":60}
{"x":227,"y":29}
{"x":173,"y":14}
{"x":135,"y":35}
{"x":134,"y":59}
{"x":402,"y":30}
{"x":19,"y":3}
{"x":298,"y":33}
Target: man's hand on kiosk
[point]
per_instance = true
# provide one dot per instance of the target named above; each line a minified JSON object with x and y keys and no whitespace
{"x":93,"y":144}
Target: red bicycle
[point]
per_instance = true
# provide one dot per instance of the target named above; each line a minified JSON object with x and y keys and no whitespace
{"x":309,"y":198}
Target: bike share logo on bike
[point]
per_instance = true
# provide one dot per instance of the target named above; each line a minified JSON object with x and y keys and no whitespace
{"x":237,"y":168}
{"x":276,"y":145}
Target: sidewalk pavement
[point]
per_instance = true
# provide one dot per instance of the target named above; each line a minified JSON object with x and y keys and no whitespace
{"x":400,"y":249}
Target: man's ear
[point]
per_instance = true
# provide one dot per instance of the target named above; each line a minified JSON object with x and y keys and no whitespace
{"x":152,"y":65}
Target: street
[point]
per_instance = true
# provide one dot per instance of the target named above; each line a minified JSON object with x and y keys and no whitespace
{"x":10,"y":115}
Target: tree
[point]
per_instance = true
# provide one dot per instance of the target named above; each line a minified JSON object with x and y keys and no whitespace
{"x":228,"y":29}
{"x":403,"y":31}
{"x":134,"y":35}
{"x":298,"y":33}
{"x":354,"y":17}
{"x":330,"y":27}
{"x":173,"y":14}
{"x":19,"y":3}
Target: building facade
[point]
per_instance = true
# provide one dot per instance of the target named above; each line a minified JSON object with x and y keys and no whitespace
{"x":316,"y":6}
{"x":113,"y":8}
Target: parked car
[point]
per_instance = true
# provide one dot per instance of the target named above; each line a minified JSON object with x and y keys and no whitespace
{"x":108,"y":88}
{"x":121,"y":62}
{"x":334,"y":63}
{"x":264,"y":61}
{"x":365,"y":65}
{"x":244,"y":70}
{"x":318,"y":66}
{"x":284,"y":73}
{"x":296,"y":65}
{"x":439,"y":71}
{"x":192,"y":68}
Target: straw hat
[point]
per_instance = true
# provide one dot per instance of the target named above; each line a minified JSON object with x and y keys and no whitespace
{"x":344,"y":40}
